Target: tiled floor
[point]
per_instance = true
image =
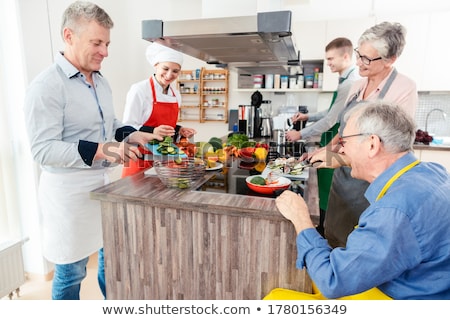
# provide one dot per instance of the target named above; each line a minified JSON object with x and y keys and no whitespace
{"x":38,"y":289}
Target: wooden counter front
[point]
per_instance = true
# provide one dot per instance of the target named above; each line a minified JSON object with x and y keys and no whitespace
{"x":168,"y":244}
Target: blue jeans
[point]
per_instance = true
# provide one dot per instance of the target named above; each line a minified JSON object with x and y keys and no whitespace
{"x":67,"y":278}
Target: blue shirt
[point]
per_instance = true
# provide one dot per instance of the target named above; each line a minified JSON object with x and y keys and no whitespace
{"x":402,"y":244}
{"x":66,"y":117}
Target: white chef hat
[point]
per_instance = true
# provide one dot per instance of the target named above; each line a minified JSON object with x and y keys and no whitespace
{"x":158,"y":53}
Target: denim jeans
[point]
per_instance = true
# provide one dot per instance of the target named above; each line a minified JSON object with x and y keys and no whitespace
{"x":68,"y":277}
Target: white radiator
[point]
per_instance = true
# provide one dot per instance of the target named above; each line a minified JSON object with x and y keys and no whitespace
{"x":12,"y":274}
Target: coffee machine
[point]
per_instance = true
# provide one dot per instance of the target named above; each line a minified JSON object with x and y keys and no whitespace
{"x":249,"y":121}
{"x":250,"y":117}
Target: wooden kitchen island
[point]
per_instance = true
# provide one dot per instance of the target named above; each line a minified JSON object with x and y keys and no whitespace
{"x":162,"y":243}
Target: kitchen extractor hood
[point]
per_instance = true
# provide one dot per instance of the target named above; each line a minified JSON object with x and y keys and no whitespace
{"x":252,"y":44}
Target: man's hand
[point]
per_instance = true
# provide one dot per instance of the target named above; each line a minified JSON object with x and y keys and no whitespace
{"x":117,"y":152}
{"x":299,"y":117}
{"x":294,"y":208}
{"x":121,"y":152}
{"x":293,"y":135}
{"x":142,"y":138}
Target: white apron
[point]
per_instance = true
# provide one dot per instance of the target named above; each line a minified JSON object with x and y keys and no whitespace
{"x":71,"y":221}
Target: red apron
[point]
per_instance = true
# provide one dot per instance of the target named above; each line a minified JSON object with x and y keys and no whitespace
{"x":162,"y":113}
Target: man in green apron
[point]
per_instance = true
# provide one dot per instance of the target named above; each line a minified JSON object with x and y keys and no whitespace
{"x":338,"y":54}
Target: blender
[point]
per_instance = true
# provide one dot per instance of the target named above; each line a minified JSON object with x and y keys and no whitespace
{"x":266,"y":118}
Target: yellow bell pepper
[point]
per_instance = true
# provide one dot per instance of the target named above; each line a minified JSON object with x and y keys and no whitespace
{"x":260,"y":154}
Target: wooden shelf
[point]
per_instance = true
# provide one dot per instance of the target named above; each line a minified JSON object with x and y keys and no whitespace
{"x":211,"y":88}
{"x":214,"y":95}
{"x":283,"y":90}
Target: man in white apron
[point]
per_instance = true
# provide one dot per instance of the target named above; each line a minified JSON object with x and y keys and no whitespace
{"x":71,"y":125}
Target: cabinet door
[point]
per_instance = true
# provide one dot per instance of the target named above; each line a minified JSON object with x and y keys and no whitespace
{"x":436,"y":72}
{"x":310,"y":39}
{"x":412,"y":60}
{"x":351,"y":29}
{"x":441,"y":157}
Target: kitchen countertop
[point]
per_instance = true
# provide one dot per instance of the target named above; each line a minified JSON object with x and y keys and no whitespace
{"x":163,"y":243}
{"x":149,"y":190}
{"x":431,"y":147}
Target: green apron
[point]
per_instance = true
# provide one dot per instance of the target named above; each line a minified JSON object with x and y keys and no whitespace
{"x":346,"y":200}
{"x":325,"y":175}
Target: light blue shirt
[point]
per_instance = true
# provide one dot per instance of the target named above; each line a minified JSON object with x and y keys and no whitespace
{"x":402,"y":244}
{"x":66,"y":117}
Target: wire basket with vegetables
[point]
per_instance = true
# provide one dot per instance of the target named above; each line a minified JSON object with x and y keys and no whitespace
{"x":180,"y":175}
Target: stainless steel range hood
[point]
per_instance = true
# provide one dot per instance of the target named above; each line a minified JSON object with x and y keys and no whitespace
{"x":252,"y":44}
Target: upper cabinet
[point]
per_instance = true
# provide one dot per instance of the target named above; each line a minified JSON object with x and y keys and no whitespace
{"x":313,"y":36}
{"x":310,"y":37}
{"x":423,"y":58}
{"x":411,"y":62}
{"x":436,"y":69}
{"x":351,"y":29}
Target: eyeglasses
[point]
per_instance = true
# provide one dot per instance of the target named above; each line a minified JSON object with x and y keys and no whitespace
{"x":365,"y":60}
{"x":342,"y":141}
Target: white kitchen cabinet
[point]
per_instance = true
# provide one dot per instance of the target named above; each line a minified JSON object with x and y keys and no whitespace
{"x":310,"y":38}
{"x":438,"y":156}
{"x":436,"y":69}
{"x":412,"y":60}
{"x":313,"y":36}
{"x":348,"y":28}
{"x":424,"y":56}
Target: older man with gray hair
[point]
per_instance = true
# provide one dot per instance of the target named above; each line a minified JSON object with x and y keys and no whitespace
{"x":400,"y":247}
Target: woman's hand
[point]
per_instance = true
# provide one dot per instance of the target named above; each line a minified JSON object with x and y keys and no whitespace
{"x":328,"y":158}
{"x":187,"y":132}
{"x":164,"y":130}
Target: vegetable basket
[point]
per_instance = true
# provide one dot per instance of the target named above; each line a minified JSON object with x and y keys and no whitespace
{"x":179,"y":175}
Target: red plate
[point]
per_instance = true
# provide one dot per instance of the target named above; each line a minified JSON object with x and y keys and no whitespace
{"x":282,"y":183}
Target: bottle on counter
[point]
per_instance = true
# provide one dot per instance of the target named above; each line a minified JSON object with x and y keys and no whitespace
{"x":316,"y":78}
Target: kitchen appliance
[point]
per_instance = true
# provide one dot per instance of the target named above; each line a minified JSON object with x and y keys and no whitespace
{"x":266,"y":127}
{"x":254,"y":44}
{"x":252,"y":116}
{"x":246,"y":123}
{"x":266,"y":119}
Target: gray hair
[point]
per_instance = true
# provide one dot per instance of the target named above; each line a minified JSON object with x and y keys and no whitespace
{"x":81,"y":11}
{"x":388,"y":38}
{"x":395,"y":128}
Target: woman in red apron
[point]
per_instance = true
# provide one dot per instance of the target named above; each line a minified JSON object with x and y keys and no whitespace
{"x":152,"y":105}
